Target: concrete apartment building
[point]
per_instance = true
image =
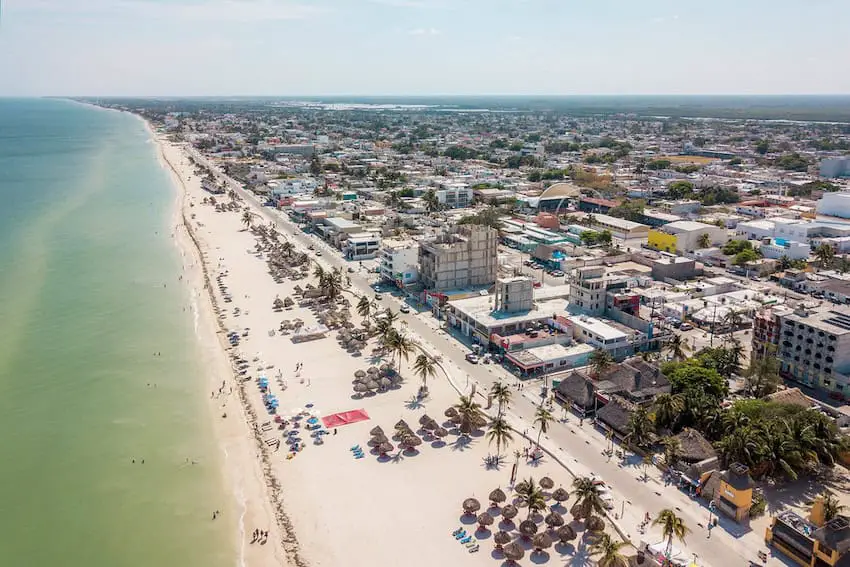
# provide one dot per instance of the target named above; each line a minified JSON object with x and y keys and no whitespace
{"x":814,"y":349}
{"x":465,"y":256}
{"x":399,"y":262}
{"x":514,"y":294}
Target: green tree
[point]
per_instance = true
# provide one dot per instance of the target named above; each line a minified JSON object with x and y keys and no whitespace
{"x":531,"y":495}
{"x":600,"y":360}
{"x":365,"y":307}
{"x":825,"y":254}
{"x":671,"y":526}
{"x":680,"y":190}
{"x":588,"y":496}
{"x":315,"y":165}
{"x":676,"y":347}
{"x":247,"y":219}
{"x":500,"y":433}
{"x":762,"y":147}
{"x":704,"y":240}
{"x":668,"y":408}
{"x":745,"y":257}
{"x":502,"y":394}
{"x":672,"y":451}
{"x":425,"y":367}
{"x":542,"y":419}
{"x":831,"y":506}
{"x":640,"y":427}
{"x":431,"y":201}
{"x":470,"y":414}
{"x":609,"y":552}
{"x":400,"y":345}
{"x":762,"y":377}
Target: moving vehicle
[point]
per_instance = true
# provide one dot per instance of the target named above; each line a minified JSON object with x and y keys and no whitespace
{"x":686,"y":326}
{"x":378,"y":297}
{"x":472,"y":358}
{"x":404,"y":308}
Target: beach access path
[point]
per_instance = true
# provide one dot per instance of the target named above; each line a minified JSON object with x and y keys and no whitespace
{"x":581,"y":449}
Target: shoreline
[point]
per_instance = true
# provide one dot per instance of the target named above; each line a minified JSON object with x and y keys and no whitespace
{"x":249,"y":481}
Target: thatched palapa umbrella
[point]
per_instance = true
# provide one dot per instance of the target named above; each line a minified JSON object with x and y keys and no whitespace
{"x":514,"y":552}
{"x":385,"y":383}
{"x":377,"y":430}
{"x":554,"y":520}
{"x":484,"y":520}
{"x":424,"y":419}
{"x":471,"y":505}
{"x":595,"y":524}
{"x":546,"y":483}
{"x":440,"y":432}
{"x":431,"y":425}
{"x":497,"y":497}
{"x":527,"y":528}
{"x":501,"y":538}
{"x":541,"y":541}
{"x":450,"y":413}
{"x":385,"y":448}
{"x":372,"y":385}
{"x":372,"y":370}
{"x":401,"y":424}
{"x":577,"y":511}
{"x":566,"y":533}
{"x":360,"y":387}
{"x":359,"y":374}
{"x":560,"y":495}
{"x":509,"y":512}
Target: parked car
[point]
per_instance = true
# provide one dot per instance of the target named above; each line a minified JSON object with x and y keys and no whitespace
{"x":473,"y":358}
{"x":404,"y":308}
{"x":378,"y":297}
{"x":686,"y":326}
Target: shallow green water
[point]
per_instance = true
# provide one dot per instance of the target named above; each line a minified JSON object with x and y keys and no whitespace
{"x":88,"y":294}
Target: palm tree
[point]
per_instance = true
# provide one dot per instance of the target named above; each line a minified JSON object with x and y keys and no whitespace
{"x":588,"y":496}
{"x":600,"y":360}
{"x":502,"y":394}
{"x":531,"y":495}
{"x":499,"y":433}
{"x":287,"y":248}
{"x":542,"y":418}
{"x":364,"y":307}
{"x":401,"y":345}
{"x":332,"y":283}
{"x":319,"y":273}
{"x":232,"y":195}
{"x":676,"y":347}
{"x":672,"y":451}
{"x":425,"y":367}
{"x":732,"y":320}
{"x":671,"y":526}
{"x":640,"y":427}
{"x":470,"y":414}
{"x":825,"y":254}
{"x":831,"y":506}
{"x":431,"y":201}
{"x":668,"y":408}
{"x":247,"y":219}
{"x":704,"y":240}
{"x":608,"y":551}
{"x":762,"y":377}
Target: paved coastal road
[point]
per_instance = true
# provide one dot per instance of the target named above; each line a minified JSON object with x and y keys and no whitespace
{"x":579,"y":448}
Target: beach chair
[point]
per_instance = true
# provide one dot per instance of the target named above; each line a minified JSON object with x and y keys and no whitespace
{"x":356,"y":448}
{"x":472,"y":543}
{"x":474,"y":548}
{"x":457,"y":531}
{"x":461,"y":534}
{"x":359,"y":456}
{"x":466,"y":540}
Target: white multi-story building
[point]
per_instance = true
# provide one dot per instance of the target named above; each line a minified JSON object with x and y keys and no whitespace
{"x":835,"y":167}
{"x":776,"y":248}
{"x":835,"y":205}
{"x":814,"y":349}
{"x":361,"y":246}
{"x":455,"y":195}
{"x":399,"y":263}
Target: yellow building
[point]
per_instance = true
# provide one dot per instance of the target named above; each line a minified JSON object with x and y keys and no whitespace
{"x":662,"y":241}
{"x":731,"y":491}
{"x":814,"y":542}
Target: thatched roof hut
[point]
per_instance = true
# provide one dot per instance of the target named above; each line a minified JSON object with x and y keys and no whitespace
{"x":694,"y":447}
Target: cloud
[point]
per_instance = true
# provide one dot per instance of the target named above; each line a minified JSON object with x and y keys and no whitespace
{"x":424,"y":31}
{"x":192,"y":10}
{"x":400,"y":3}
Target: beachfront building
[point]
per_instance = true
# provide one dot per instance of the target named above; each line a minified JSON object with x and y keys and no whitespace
{"x":361,"y":246}
{"x":589,"y":286}
{"x":814,"y":350}
{"x":685,"y":236}
{"x":465,"y":256}
{"x":812,"y":542}
{"x":399,"y":263}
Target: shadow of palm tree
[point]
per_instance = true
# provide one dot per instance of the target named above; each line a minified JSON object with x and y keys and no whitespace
{"x":461,"y":443}
{"x":414,"y":403}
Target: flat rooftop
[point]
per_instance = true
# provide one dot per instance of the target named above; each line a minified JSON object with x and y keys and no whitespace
{"x":538,"y":356}
{"x":598,"y":327}
{"x":480,"y":309}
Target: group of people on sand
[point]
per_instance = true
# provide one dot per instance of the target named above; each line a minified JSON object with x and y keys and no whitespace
{"x":260,"y":537}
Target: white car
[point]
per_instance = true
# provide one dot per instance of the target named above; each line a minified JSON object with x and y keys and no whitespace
{"x":404,"y":308}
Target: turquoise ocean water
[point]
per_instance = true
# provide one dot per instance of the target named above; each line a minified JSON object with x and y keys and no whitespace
{"x":88,"y":294}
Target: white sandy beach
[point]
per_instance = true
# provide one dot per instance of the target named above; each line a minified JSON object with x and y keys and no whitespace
{"x":324,"y":507}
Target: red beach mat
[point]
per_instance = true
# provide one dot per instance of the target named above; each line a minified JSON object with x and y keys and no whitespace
{"x":345,"y":418}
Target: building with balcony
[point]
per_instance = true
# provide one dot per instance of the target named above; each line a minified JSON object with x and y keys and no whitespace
{"x":814,"y":350}
{"x":806,"y":542}
{"x":454,"y":195}
{"x":589,"y":286}
{"x":463,"y":257}
{"x":361,"y":246}
{"x":399,"y":263}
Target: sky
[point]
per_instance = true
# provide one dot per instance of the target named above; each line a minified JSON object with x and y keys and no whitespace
{"x":422,"y":47}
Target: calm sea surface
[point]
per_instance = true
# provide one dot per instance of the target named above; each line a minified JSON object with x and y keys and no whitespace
{"x":88,"y":294}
